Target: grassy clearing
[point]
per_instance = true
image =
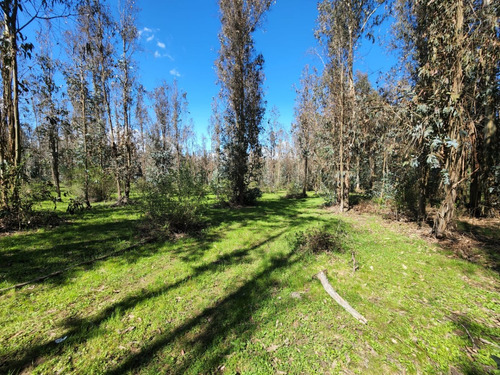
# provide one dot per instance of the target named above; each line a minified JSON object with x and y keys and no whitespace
{"x":223,"y":302}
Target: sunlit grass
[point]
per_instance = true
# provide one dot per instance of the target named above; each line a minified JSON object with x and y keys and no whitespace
{"x":223,"y":301}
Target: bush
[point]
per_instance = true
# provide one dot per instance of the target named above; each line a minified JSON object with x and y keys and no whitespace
{"x":101,"y":185}
{"x":23,"y":216}
{"x":251,"y":196}
{"x":294,"y":191}
{"x":174,"y":201}
{"x":319,"y":239}
{"x":329,"y":197}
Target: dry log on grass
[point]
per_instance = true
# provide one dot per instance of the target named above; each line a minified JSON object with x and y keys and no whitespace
{"x":321,"y":276}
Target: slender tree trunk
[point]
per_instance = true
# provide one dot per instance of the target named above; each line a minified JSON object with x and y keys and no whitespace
{"x":85,"y":141}
{"x":126,"y":124}
{"x":371,"y":164}
{"x":454,"y":155}
{"x":304,"y":189}
{"x":3,"y":198}
{"x":54,"y":150}
{"x":358,"y":165}
{"x":423,"y":183}
{"x":384,"y":175}
{"x":341,"y":143}
{"x":114,"y":147}
{"x":128,"y":148}
{"x":12,"y":86}
{"x":475,"y":184}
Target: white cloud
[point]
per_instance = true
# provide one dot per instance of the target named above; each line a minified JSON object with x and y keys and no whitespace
{"x":161,"y":45}
{"x":145,"y":30}
{"x":150,"y":38}
{"x":169,"y":57}
{"x":157,"y":55}
{"x":175,"y":73}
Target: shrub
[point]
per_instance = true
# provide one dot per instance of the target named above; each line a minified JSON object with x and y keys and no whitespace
{"x":329,"y":197}
{"x":23,"y":216}
{"x":174,"y":201}
{"x":294,"y":191}
{"x":101,"y":185}
{"x":319,"y":239}
{"x":251,"y":196}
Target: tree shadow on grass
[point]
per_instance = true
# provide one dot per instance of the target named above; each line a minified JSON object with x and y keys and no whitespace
{"x":97,"y":232}
{"x":31,"y":255}
{"x":479,"y":243}
{"x":477,"y":336}
{"x":271,"y":214}
{"x":233,"y":310}
{"x":229,"y":317}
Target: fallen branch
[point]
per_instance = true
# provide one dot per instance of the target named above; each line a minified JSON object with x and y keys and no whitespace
{"x":56,"y":273}
{"x":321,"y":276}
{"x":470,"y":336}
{"x":489,"y":342}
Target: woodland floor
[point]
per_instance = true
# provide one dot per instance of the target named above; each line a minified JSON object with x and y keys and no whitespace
{"x":236,"y":299}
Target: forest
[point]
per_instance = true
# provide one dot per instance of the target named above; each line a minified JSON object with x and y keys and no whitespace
{"x":362,"y":238}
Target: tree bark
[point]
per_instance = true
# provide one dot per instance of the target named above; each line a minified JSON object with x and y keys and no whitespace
{"x":454,"y":155}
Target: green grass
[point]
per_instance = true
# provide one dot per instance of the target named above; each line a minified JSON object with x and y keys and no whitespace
{"x":222,"y":302}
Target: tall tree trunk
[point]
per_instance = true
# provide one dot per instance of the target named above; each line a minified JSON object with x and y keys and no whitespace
{"x":54,"y":150}
{"x":454,"y":155}
{"x":358,"y":165}
{"x":304,"y":189}
{"x":475,"y":184}
{"x":490,"y":70}
{"x":341,"y":142}
{"x":114,"y":146}
{"x":128,"y":150}
{"x":423,"y":183}
{"x":3,"y":198}
{"x":384,"y":175}
{"x":371,"y":164}
{"x":11,"y":87}
{"x":85,"y":140}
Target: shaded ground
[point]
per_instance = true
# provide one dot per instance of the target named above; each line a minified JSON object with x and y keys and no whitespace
{"x":237,"y":300}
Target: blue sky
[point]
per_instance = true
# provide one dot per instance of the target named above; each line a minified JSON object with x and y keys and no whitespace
{"x":179,"y":40}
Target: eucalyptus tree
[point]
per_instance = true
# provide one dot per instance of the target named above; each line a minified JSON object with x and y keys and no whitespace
{"x":143,"y":121}
{"x":215,"y":130}
{"x":272,"y":139}
{"x":16,"y":16}
{"x":454,"y":55}
{"x":341,"y":25}
{"x":48,"y":108}
{"x":240,"y":74}
{"x":128,"y":36}
{"x":178,"y":102}
{"x":307,"y":123}
{"x":160,"y":131}
{"x":484,"y":189}
{"x":98,"y":29}
{"x":77,"y":78}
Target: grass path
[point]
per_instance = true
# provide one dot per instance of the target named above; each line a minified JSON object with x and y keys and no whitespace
{"x":223,"y":302}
